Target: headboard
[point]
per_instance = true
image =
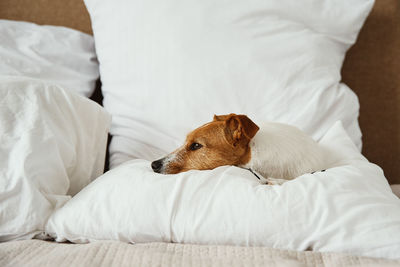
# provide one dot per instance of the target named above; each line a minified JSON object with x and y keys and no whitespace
{"x":371,"y":69}
{"x":68,"y":13}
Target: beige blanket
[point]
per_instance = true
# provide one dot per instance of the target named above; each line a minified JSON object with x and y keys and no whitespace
{"x":109,"y":253}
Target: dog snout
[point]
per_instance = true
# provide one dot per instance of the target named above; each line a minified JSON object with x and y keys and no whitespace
{"x":157,"y":165}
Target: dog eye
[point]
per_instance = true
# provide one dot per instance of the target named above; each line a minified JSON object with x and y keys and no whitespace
{"x":195,"y":146}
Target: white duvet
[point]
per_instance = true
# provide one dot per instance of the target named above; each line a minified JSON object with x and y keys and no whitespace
{"x":52,"y":144}
{"x":349,"y":208}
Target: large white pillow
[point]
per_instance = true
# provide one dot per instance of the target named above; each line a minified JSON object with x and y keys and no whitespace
{"x":52,"y":144}
{"x":344,"y":209}
{"x":54,"y":54}
{"x":167,"y":65}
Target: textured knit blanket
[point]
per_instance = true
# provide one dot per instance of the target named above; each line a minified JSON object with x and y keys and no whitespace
{"x":109,"y":253}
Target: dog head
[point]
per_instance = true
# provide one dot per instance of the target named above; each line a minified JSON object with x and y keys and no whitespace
{"x":224,"y":141}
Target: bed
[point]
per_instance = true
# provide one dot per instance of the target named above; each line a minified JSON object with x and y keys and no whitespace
{"x":370,"y":69}
{"x":369,"y":65}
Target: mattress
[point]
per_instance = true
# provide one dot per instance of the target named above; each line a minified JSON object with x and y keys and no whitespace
{"x":111,"y":253}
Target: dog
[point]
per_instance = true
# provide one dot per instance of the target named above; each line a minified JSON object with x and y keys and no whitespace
{"x":279,"y":152}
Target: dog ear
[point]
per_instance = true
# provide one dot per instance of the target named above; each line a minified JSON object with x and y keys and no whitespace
{"x":223,"y":117}
{"x":240,"y":128}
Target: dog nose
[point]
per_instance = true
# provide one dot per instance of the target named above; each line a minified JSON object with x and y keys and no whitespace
{"x":157,"y":165}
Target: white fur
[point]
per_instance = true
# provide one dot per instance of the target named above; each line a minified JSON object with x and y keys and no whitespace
{"x":280,"y":151}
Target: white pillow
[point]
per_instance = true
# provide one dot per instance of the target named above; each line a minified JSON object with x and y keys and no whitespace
{"x":52,"y":144}
{"x":168,"y":66}
{"x":52,"y":53}
{"x":344,"y":209}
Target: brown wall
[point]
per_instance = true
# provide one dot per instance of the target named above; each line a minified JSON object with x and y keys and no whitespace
{"x":69,"y":13}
